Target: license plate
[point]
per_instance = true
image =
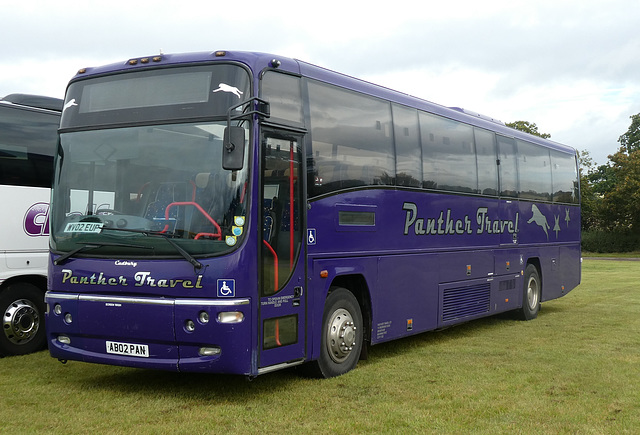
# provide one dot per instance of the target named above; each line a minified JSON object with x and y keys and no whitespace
{"x":128,"y":349}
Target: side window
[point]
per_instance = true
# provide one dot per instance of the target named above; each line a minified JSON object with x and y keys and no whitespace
{"x":535,"y":172}
{"x":408,"y":152}
{"x":352,"y":140}
{"x":27,"y":145}
{"x":448,"y":155}
{"x":486,"y":155}
{"x":508,"y":168}
{"x":282,"y":91}
{"x":564,"y":172}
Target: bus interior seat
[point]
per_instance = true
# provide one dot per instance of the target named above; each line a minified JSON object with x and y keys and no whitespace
{"x":211,"y":193}
{"x":163,"y":195}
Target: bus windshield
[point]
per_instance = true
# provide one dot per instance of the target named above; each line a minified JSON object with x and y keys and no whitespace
{"x":120,"y":189}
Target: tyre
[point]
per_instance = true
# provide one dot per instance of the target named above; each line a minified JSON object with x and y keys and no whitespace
{"x":532,"y":292}
{"x":22,"y":310}
{"x":342,"y":335}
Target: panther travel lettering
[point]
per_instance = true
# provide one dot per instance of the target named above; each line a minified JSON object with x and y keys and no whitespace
{"x":446,"y":224}
{"x":140,"y":279}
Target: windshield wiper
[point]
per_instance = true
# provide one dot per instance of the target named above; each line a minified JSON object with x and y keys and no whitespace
{"x":61,"y":259}
{"x":190,"y":258}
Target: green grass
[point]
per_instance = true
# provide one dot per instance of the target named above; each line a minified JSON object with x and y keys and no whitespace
{"x":574,"y":370}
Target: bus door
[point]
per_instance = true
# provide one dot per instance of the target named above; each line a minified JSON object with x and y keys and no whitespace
{"x":508,"y":261}
{"x":282,"y":271}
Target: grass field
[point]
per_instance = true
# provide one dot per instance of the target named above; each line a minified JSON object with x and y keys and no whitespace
{"x":575,"y":369}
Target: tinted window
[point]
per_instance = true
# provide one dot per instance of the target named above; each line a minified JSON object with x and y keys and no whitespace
{"x":486,"y":155}
{"x":27,"y":144}
{"x":408,"y":151}
{"x":282,"y":91}
{"x":139,"y":91}
{"x":508,"y":167}
{"x":565,"y":177}
{"x":352,"y":139}
{"x":535,"y":172}
{"x":448,"y":155}
{"x":156,"y":95}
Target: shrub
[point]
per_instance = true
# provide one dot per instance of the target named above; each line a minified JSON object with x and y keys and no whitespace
{"x":610,"y":241}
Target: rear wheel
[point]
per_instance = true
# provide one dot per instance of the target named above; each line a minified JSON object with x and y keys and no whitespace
{"x":342,"y":335}
{"x":532,"y":292}
{"x":22,"y":310}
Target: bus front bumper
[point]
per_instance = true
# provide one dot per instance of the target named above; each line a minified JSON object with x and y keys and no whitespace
{"x":187,"y":335}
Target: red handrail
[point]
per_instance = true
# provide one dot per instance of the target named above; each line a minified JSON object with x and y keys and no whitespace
{"x":201,"y":210}
{"x":291,"y":209}
{"x":278,"y":332}
{"x":275,"y":265}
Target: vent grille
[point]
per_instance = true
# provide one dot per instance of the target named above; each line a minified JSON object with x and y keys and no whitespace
{"x":461,"y":302}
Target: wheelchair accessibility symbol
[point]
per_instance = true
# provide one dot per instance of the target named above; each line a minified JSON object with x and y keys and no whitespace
{"x":311,"y":236}
{"x":226,"y":288}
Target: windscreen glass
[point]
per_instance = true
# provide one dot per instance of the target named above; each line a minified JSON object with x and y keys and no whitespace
{"x":126,"y":190}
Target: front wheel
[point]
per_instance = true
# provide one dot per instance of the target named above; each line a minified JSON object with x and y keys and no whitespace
{"x":342,"y":335}
{"x":532,"y":292}
{"x":22,"y":310}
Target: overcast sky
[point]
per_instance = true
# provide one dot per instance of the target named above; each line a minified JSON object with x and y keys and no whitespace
{"x":571,"y":67}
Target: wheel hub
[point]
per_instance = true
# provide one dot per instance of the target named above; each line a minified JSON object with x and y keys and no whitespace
{"x":532,"y":293}
{"x":20,"y":321}
{"x":341,"y":335}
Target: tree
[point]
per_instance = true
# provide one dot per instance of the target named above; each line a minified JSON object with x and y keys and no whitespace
{"x":622,"y":202}
{"x":619,"y":182}
{"x":528,"y":127}
{"x":591,"y":201}
{"x":611,"y":196}
{"x":631,"y":139}
{"x":603,"y":179}
{"x":586,"y":161}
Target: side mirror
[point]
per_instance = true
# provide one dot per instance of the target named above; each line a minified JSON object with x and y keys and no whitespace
{"x":233,"y":148}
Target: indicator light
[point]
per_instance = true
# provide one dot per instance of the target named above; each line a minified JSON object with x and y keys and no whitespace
{"x":209,"y":351}
{"x":230,"y":317}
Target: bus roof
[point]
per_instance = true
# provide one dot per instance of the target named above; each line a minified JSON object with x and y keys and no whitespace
{"x":37,"y":101}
